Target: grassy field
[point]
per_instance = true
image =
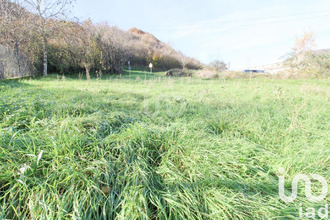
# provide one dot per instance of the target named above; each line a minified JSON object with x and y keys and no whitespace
{"x":164,"y":148}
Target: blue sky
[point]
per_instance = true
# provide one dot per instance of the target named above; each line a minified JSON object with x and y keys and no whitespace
{"x":244,"y":33}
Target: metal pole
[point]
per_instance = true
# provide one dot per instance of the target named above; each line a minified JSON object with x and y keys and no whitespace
{"x":129,"y":68}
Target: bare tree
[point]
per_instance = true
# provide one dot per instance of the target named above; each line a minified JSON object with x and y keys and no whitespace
{"x":302,"y":57}
{"x":13,"y":32}
{"x":182,"y":59}
{"x":47,"y":11}
{"x":87,"y":47}
{"x":114,"y":47}
{"x":305,"y":43}
{"x":218,"y":65}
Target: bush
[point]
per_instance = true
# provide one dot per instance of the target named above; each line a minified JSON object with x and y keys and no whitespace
{"x":179,"y":72}
{"x":207,"y":73}
{"x":309,"y":64}
{"x":218,"y":65}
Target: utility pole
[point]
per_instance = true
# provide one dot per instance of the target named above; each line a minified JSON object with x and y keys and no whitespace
{"x":129,"y":68}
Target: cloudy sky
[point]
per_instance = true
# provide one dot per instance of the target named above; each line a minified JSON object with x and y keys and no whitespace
{"x":243,"y":32}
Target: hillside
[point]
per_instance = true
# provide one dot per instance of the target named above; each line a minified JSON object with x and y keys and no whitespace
{"x":162,"y":55}
{"x":322,"y":51}
{"x":318,"y":59}
{"x":139,"y":32}
{"x":74,"y":47}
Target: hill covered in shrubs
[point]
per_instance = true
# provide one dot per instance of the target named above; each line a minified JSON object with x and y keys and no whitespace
{"x":68,"y":47}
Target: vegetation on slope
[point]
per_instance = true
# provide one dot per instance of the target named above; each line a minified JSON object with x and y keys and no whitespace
{"x":73,"y":46}
{"x":305,"y":60}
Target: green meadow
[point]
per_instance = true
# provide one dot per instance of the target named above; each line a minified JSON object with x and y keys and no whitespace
{"x":159,"y":148}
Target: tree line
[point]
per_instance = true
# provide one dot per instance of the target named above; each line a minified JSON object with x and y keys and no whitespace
{"x":44,"y":40}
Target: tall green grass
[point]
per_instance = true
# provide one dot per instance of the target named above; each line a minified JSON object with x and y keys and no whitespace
{"x":161,"y":148}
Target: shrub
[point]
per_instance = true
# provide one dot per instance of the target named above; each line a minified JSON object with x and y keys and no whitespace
{"x":309,"y":64}
{"x":179,"y":72}
{"x":207,"y":73}
{"x":218,"y":65}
